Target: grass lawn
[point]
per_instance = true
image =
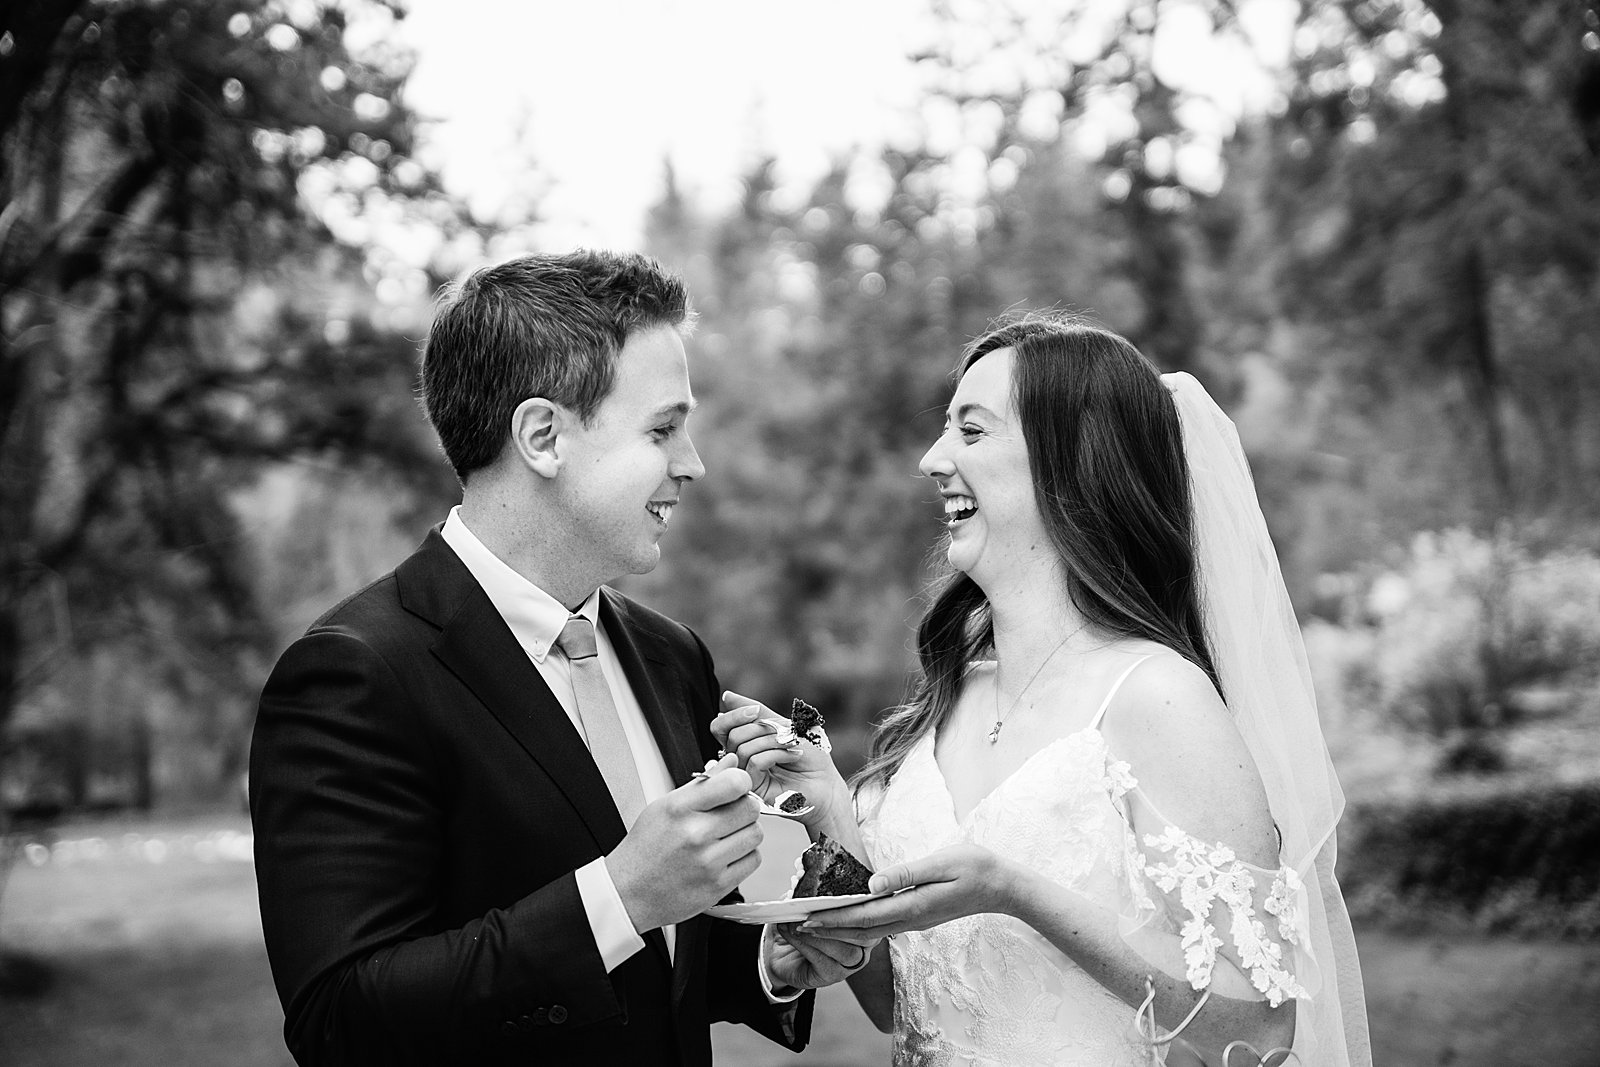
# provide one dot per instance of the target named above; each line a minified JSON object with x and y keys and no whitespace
{"x":155,"y":944}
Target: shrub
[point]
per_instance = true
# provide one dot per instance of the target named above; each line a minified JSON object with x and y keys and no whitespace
{"x":1466,"y":625}
{"x":1495,"y":857}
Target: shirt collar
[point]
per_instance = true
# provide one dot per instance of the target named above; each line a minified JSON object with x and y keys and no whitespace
{"x":534,"y":616}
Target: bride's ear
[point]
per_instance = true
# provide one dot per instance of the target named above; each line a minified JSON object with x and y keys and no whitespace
{"x":536,"y":428}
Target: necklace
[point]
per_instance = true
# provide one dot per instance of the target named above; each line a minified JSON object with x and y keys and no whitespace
{"x":999,"y":719}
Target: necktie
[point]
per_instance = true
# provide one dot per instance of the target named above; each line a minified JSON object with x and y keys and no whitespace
{"x":607,"y":743}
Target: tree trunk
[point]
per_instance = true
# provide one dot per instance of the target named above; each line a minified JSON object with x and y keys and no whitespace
{"x":143,"y":757}
{"x":1479,"y":361}
{"x":1483,"y":370}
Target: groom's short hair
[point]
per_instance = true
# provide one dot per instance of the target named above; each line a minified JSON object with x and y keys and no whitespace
{"x":537,"y":325}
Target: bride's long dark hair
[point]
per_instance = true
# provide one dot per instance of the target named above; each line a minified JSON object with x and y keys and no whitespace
{"x":1106,"y":454}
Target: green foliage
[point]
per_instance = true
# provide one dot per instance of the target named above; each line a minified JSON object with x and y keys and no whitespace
{"x":1496,"y":858}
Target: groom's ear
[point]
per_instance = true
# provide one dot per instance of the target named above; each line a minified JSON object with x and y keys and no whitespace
{"x":536,"y":428}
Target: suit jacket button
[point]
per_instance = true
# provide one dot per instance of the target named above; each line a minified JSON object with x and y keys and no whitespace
{"x":540,"y":1016}
{"x":558,"y":1014}
{"x":525,"y":1023}
{"x":508,"y":1027}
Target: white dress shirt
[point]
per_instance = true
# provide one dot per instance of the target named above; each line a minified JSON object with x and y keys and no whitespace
{"x":536,"y":619}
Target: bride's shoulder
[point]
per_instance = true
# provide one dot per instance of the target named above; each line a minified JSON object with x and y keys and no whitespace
{"x":1171,"y":725}
{"x":1156,"y":681}
{"x":1166,"y":701}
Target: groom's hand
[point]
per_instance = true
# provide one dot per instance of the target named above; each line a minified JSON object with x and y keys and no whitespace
{"x":804,"y":960}
{"x":688,"y":849}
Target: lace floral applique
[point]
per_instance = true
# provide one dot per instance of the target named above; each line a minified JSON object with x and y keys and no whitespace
{"x":1206,"y":875}
{"x":986,"y":990}
{"x":1119,"y":778}
{"x":1288,"y":889}
{"x":1052,"y":815}
{"x":916,"y":976}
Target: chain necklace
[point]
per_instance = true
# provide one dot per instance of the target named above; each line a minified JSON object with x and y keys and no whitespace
{"x":999,"y":719}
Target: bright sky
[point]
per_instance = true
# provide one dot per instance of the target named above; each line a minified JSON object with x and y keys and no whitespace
{"x":574,"y":105}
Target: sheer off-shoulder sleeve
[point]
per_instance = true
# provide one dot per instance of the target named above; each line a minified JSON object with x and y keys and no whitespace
{"x":1197,"y":911}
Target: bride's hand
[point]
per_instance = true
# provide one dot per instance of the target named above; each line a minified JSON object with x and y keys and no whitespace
{"x":749,"y":730}
{"x":951,"y":883}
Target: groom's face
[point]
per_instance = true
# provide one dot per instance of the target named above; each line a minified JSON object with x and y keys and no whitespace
{"x":623,"y":473}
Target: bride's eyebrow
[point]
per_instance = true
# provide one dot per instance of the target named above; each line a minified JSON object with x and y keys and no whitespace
{"x":970,"y":407}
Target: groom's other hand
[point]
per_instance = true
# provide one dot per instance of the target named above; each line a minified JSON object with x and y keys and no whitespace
{"x":688,"y":849}
{"x":802,"y":960}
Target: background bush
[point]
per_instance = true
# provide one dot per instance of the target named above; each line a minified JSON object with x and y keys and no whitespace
{"x":1487,"y":855}
{"x":1467,"y":621}
{"x":1461,"y":639}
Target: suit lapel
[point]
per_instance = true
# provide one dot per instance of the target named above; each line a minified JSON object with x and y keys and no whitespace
{"x":478,"y":648}
{"x":647,"y":664}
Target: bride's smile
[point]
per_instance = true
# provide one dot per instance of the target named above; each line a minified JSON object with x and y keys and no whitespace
{"x":980,"y":463}
{"x":958,"y":507}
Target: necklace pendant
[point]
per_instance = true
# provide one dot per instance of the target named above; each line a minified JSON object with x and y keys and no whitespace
{"x":994,"y":733}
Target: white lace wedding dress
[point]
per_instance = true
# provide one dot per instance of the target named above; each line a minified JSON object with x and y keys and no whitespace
{"x":987,"y":990}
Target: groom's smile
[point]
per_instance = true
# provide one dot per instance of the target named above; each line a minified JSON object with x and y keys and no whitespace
{"x":662,"y":510}
{"x":631,"y":459}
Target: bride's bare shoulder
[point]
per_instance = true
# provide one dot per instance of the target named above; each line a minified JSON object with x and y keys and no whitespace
{"x":1170,"y":724}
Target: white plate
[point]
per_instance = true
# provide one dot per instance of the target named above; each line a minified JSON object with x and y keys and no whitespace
{"x":784,"y":911}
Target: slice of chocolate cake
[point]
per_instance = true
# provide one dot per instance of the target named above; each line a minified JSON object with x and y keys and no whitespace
{"x":830,"y":871}
{"x":805,"y":721}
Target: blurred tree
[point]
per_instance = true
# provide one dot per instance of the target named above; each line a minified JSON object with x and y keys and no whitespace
{"x":825,"y":332}
{"x":1079,"y":90}
{"x":1438,"y":179}
{"x":174,"y":316}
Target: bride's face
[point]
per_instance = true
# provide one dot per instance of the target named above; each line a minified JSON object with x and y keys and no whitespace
{"x":981,"y":466}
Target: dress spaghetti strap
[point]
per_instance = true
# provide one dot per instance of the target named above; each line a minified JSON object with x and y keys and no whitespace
{"x":1094,"y":723}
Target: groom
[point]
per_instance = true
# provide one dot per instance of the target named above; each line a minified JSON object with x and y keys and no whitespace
{"x":479,"y":838}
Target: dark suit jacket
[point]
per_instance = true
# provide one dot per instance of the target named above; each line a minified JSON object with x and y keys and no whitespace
{"x":420,"y":803}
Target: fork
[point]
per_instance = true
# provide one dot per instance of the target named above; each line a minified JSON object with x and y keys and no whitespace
{"x":776,"y":807}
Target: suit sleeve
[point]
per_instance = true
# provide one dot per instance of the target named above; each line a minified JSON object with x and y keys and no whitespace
{"x":350,"y":834}
{"x":734,"y":992}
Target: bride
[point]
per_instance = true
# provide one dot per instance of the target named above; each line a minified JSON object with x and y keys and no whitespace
{"x":1107,"y":814}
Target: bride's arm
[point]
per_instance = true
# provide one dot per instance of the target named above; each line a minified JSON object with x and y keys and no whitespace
{"x":1181,"y":741}
{"x":1170,"y":725}
{"x":968,"y":879}
{"x":1089,"y":934}
{"x":873,"y":986}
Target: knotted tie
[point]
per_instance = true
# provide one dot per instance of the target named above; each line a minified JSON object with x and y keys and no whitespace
{"x":607,"y":743}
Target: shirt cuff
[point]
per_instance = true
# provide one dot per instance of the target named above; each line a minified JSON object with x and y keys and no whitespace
{"x":767,"y":985}
{"x":613,"y":931}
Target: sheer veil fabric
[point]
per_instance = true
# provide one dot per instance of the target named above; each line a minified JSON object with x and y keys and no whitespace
{"x":1266,"y":681}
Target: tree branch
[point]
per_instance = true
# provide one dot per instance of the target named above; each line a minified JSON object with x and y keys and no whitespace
{"x":34,"y":26}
